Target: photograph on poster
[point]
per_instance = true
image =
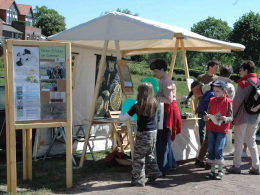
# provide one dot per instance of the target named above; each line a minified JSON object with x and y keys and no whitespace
{"x":26,"y":56}
{"x":19,"y":112}
{"x":19,"y":104}
{"x":53,"y":70}
{"x":53,"y":111}
{"x":26,"y":64}
{"x":59,"y":97}
{"x":49,"y":85}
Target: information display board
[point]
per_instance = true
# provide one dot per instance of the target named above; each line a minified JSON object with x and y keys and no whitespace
{"x":125,"y":77}
{"x":39,"y":83}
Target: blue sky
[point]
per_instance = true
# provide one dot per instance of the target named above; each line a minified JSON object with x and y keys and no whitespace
{"x":181,"y":13}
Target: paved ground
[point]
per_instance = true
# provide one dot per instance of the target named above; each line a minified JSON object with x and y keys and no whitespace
{"x":187,"y":179}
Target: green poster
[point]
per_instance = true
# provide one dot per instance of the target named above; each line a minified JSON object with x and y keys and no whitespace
{"x":52,"y":53}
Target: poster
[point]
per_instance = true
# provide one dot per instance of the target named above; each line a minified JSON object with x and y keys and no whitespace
{"x":52,"y":71}
{"x":26,"y":83}
{"x":39,"y":83}
{"x":110,"y":93}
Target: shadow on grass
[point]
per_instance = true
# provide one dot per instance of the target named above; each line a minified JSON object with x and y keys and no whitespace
{"x":49,"y":176}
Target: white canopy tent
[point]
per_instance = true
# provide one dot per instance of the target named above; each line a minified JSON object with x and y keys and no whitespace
{"x":138,"y":36}
{"x":133,"y":35}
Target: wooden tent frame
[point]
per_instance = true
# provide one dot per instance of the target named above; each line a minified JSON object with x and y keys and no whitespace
{"x":12,"y":125}
{"x":179,"y":45}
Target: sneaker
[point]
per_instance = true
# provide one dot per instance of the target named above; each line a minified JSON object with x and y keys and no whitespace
{"x":210,"y":176}
{"x":140,"y":183}
{"x":234,"y":170}
{"x":254,"y":171}
{"x":207,"y":166}
{"x":154,"y":177}
{"x":244,"y":155}
{"x":219,"y":175}
{"x":199,"y":163}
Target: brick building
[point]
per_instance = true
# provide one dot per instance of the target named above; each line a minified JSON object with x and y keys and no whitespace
{"x":10,"y":27}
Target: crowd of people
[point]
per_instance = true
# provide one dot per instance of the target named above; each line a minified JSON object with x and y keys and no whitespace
{"x":213,"y":95}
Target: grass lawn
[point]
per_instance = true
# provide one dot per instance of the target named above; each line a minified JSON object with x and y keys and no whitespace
{"x":182,"y":89}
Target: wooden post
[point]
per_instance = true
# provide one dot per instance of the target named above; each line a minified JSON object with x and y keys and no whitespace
{"x":130,"y":135}
{"x":7,"y":118}
{"x":29,"y":153}
{"x":173,"y":58}
{"x":25,"y":175}
{"x":69,"y":118}
{"x":12,"y":131}
{"x":186,"y":72}
{"x":101,"y":71}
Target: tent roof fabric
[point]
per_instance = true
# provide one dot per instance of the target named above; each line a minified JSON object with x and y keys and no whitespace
{"x":139,"y":36}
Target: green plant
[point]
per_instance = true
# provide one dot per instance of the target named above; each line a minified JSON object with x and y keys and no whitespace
{"x":179,"y":79}
{"x":19,"y":22}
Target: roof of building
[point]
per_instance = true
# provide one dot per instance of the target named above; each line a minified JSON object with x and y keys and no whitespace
{"x":24,"y":9}
{"x":5,"y":4}
{"x":11,"y":29}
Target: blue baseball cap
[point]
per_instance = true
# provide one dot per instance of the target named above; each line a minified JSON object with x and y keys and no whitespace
{"x":220,"y":84}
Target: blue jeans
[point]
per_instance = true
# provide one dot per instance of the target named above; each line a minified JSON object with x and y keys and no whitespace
{"x":165,"y":157}
{"x":201,"y":127}
{"x":216,"y":145}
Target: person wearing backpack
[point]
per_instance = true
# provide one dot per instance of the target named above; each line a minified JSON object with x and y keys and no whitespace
{"x":245,"y":123}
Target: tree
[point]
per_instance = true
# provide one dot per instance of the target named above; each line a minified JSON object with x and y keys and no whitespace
{"x":215,"y":29}
{"x":49,"y":20}
{"x":125,"y":11}
{"x":247,"y":32}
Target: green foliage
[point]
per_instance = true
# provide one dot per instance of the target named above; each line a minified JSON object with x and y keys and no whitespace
{"x":140,"y":69}
{"x":49,"y":20}
{"x":215,"y":29}
{"x":212,"y":28}
{"x":125,"y":11}
{"x":247,"y":32}
{"x":19,"y":22}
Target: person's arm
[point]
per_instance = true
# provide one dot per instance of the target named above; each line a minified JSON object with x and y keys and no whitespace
{"x":196,"y":104}
{"x":167,"y":96}
{"x":168,"y":88}
{"x":128,"y":115}
{"x":229,"y":117}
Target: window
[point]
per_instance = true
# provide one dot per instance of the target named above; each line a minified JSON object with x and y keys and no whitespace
{"x":28,"y":37}
{"x":11,"y":14}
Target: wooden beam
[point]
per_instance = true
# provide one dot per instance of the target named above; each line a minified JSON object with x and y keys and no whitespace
{"x":101,"y":71}
{"x":7,"y":118}
{"x":12,"y":132}
{"x":69,"y":173}
{"x":118,"y":53}
{"x":125,"y":52}
{"x":130,"y":135}
{"x":40,"y":125}
{"x":25,"y":172}
{"x":41,"y":43}
{"x":173,"y":58}
{"x":29,"y":153}
{"x":186,"y":68}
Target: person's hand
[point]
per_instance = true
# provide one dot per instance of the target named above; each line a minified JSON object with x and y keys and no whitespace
{"x":255,"y":108}
{"x":206,"y":118}
{"x":223,"y":118}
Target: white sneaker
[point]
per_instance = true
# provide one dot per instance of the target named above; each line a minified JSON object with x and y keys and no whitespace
{"x":244,"y":155}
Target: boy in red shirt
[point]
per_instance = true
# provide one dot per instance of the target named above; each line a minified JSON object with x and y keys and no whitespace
{"x":217,"y":133}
